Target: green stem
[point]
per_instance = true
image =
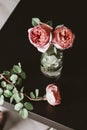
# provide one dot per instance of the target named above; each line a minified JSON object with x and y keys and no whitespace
{"x":35,"y":99}
{"x":1,"y":75}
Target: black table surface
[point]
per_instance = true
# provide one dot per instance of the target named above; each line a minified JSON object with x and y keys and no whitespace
{"x":15,"y":47}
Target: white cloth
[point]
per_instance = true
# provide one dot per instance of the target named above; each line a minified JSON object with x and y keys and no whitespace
{"x":14,"y":122}
{"x":6,"y":8}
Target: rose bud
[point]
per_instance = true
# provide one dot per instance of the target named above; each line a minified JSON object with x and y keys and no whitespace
{"x":40,"y":36}
{"x":62,"y":37}
{"x":53,"y":95}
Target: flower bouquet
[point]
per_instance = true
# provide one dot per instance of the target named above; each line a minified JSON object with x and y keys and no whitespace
{"x":50,"y":42}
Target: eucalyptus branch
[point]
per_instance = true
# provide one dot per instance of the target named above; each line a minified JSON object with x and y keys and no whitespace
{"x":10,"y":80}
{"x":35,"y":99}
{"x":3,"y":77}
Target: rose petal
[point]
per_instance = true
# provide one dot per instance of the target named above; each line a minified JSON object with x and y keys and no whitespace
{"x":29,"y":30}
{"x":46,"y":27}
{"x":44,"y":48}
{"x":58,"y":46}
{"x":53,"y":95}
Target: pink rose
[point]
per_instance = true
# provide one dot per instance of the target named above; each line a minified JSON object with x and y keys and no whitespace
{"x":53,"y":95}
{"x":40,"y":36}
{"x":62,"y":37}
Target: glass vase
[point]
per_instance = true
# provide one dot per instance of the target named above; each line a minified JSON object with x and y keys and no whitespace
{"x":52,"y":62}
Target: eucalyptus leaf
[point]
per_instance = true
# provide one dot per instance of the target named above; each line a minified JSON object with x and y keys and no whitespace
{"x":18,"y":97}
{"x":1,"y":91}
{"x":37,"y":92}
{"x":50,"y":23}
{"x":9,"y":87}
{"x":13,"y":78}
{"x":28,"y":106}
{"x":21,"y":95}
{"x":17,"y":69}
{"x":3,"y":84}
{"x":35,"y":21}
{"x":32,"y":95}
{"x":11,"y":72}
{"x":11,"y":99}
{"x":19,"y":82}
{"x":7,"y":73}
{"x":18,"y":106}
{"x":22,"y":89}
{"x":7,"y":93}
{"x":15,"y":91}
{"x":1,"y":100}
{"x":19,"y":64}
{"x":23,"y":113}
{"x":23,"y":75}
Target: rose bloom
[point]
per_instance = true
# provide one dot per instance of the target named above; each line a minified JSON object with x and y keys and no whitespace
{"x":53,"y":95}
{"x":62,"y":37}
{"x":40,"y":36}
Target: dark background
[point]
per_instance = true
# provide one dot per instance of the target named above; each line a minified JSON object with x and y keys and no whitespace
{"x":15,"y":47}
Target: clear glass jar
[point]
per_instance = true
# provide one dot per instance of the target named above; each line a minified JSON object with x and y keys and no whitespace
{"x":52,"y":62}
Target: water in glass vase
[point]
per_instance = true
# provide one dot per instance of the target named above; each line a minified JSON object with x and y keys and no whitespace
{"x":52,"y":62}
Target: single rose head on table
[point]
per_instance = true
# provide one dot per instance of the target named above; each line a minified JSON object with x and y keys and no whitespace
{"x":53,"y":94}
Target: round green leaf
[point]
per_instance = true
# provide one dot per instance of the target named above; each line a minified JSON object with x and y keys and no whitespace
{"x":9,"y":87}
{"x":18,"y":106}
{"x":49,"y":23}
{"x":7,"y":93}
{"x":23,"y":113}
{"x":11,"y":99}
{"x":15,"y":91}
{"x":18,"y":97}
{"x":32,"y":95}
{"x":3,"y":84}
{"x":19,"y":64}
{"x":23,"y":75}
{"x":28,"y":106}
{"x":22,"y":89}
{"x":13,"y":78}
{"x":19,"y":81}
{"x":17,"y":69}
{"x":35,"y":21}
{"x":7,"y":73}
{"x":37,"y":92}
{"x":21,"y":95}
{"x":1,"y":91}
{"x":1,"y":100}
